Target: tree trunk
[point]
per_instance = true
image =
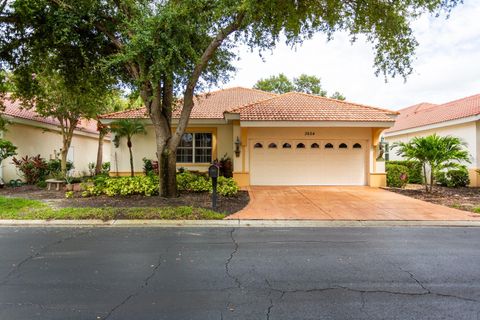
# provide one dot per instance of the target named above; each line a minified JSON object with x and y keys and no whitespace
{"x":167,"y":166}
{"x":425,"y":177}
{"x":169,"y":163}
{"x":98,"y":167}
{"x":132,"y":173}
{"x":67,"y":141}
{"x":63,"y":159}
{"x":431,"y":178}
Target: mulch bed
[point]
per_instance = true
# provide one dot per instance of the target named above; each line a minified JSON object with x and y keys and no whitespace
{"x":200,"y":200}
{"x":466,"y":199}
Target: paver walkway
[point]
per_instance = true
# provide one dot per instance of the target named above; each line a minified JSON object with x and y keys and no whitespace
{"x":341,"y":203}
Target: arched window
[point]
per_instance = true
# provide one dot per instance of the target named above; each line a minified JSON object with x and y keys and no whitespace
{"x":343,"y":146}
{"x":272,"y":146}
{"x":315,"y":146}
{"x":329,"y":146}
{"x":258,"y":145}
{"x":286,"y":145}
{"x":357,"y":146}
{"x":300,"y":146}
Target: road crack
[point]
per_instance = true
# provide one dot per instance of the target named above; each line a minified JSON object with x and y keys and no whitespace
{"x":229,"y":260}
{"x":364,"y":292}
{"x":428,"y":291}
{"x":139,"y":289}
{"x":37,"y":253}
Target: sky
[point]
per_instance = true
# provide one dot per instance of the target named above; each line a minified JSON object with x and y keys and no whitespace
{"x":446,"y":64}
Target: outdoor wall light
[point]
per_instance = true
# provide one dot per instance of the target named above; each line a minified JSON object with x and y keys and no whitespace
{"x":237,"y":147}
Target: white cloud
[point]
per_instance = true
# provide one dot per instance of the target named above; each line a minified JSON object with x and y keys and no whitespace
{"x":446,"y":66}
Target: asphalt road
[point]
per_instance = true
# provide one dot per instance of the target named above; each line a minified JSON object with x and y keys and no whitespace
{"x":243,"y":273}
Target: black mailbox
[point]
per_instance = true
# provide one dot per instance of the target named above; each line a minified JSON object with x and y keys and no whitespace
{"x":213,"y":171}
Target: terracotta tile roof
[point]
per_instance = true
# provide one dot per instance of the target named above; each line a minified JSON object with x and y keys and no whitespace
{"x":426,"y":113}
{"x":295,"y":106}
{"x":13,"y":108}
{"x":207,"y":105}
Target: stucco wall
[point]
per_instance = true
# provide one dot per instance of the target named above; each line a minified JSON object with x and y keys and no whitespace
{"x":35,"y":140}
{"x":144,"y":146}
{"x":467,"y":131}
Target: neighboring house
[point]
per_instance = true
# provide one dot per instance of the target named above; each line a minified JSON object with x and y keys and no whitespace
{"x":460,"y":118}
{"x":288,"y":139}
{"x":35,"y":135}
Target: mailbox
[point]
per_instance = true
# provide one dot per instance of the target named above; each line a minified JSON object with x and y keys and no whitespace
{"x":213,"y":171}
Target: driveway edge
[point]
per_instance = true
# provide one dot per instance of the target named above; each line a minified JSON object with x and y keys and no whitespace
{"x":240,"y":223}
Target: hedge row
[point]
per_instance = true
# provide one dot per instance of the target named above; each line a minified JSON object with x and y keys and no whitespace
{"x":414,"y":170}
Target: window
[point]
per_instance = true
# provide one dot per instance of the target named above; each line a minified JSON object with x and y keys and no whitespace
{"x":314,"y":146}
{"x":343,"y":146}
{"x":300,"y":146}
{"x":357,"y":146}
{"x":195,"y":148}
{"x":286,"y":145}
{"x":329,"y":146}
{"x":272,"y":146}
{"x":258,"y":145}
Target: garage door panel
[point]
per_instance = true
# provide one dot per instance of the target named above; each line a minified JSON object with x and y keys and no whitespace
{"x":308,"y":166}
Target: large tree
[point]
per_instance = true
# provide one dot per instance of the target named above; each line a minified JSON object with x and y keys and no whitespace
{"x":304,"y":83}
{"x":170,"y":47}
{"x":52,"y":95}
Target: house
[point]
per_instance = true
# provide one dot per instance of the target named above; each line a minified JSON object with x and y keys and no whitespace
{"x":288,"y":139}
{"x":458,"y":118}
{"x":33,"y":135}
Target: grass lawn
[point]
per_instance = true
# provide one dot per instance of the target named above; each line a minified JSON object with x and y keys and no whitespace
{"x":25,"y":209}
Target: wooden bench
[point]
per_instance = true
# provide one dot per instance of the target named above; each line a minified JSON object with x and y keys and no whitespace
{"x":57,"y":183}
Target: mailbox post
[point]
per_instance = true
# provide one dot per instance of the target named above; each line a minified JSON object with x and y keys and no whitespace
{"x":213,"y":172}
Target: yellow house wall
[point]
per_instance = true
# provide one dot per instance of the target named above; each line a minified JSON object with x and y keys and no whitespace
{"x":32,"y":141}
{"x":144,"y":146}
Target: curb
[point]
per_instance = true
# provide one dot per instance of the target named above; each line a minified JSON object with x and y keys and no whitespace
{"x":240,"y":223}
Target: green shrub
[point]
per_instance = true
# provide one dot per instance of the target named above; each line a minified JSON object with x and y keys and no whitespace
{"x":54,"y":167}
{"x":415,"y":170}
{"x":42,"y":184}
{"x":187,"y":181}
{"x":124,"y":186}
{"x":106,"y":168}
{"x":227,"y":187}
{"x":453,"y":178}
{"x":397,"y":175}
{"x":150,"y":167}
{"x":33,"y":169}
{"x":148,"y":185}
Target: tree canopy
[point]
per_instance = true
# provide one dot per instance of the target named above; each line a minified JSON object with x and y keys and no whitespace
{"x":166,"y":48}
{"x":303,"y":83}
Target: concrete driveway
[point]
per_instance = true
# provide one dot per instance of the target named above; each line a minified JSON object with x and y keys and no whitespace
{"x":341,"y":203}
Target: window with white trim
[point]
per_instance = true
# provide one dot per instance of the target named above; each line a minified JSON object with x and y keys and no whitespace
{"x":195,"y":148}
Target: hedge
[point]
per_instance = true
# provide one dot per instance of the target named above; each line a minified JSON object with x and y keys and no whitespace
{"x":397,"y":175}
{"x":415,"y":170}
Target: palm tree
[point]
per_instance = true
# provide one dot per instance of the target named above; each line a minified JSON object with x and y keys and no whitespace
{"x":435,"y":151}
{"x":128,"y":128}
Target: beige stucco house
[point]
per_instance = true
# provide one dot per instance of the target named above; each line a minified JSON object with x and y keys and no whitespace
{"x":459,"y":118}
{"x":288,"y":139}
{"x":33,"y":135}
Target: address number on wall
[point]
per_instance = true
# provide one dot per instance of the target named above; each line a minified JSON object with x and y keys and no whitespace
{"x":309,"y":133}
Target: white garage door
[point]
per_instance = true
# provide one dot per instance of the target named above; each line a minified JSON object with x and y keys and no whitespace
{"x":308,"y":162}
